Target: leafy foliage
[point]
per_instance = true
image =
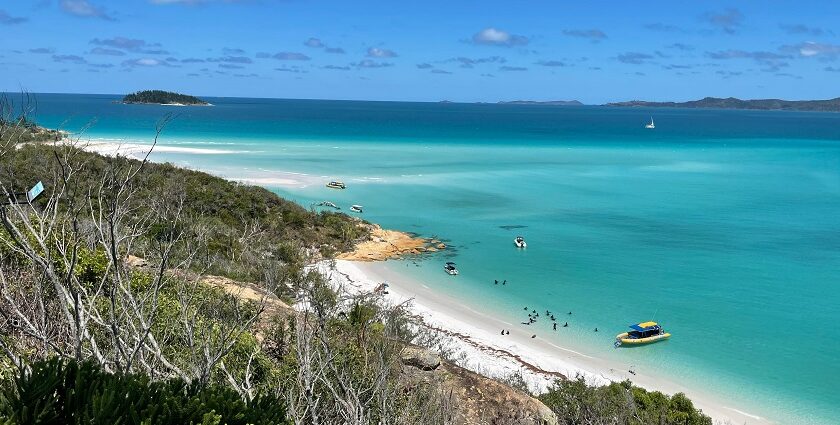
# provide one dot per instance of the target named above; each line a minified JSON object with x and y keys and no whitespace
{"x":59,"y":392}
{"x":284,"y":229}
{"x":620,"y":403}
{"x":162,"y":97}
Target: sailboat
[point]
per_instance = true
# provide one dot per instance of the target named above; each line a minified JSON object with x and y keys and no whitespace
{"x":651,"y":125}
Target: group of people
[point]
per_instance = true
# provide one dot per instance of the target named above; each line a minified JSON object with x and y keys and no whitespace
{"x":533,"y":315}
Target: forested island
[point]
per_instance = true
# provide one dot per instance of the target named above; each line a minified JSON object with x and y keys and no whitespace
{"x":161,"y":97}
{"x":830,"y":105}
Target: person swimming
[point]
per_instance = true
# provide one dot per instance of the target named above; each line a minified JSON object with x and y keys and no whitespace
{"x":495,"y":281}
{"x":566,"y":325}
{"x":555,"y":326}
{"x":570,"y":313}
{"x":504,"y":282}
{"x":596,"y":329}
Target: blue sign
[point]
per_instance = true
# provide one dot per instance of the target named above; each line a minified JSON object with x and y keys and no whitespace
{"x":34,"y":192}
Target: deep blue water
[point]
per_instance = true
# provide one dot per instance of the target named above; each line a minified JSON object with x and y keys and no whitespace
{"x":724,"y":225}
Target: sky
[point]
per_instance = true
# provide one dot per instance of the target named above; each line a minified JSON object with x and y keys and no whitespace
{"x":458,"y":50}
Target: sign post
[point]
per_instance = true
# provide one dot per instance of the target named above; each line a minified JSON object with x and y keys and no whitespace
{"x":35,"y":191}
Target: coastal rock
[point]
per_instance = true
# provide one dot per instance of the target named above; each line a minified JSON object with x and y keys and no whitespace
{"x":420,"y":358}
{"x":475,"y":399}
{"x":384,"y":244}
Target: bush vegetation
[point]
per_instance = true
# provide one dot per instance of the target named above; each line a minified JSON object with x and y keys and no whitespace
{"x":67,"y":392}
{"x":621,"y":403}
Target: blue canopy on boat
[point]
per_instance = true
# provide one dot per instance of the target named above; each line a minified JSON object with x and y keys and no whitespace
{"x":644,"y":326}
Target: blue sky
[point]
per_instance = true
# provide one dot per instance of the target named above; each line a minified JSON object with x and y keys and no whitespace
{"x":593,"y":51}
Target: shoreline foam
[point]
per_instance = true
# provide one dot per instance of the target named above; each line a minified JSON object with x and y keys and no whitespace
{"x":475,"y":337}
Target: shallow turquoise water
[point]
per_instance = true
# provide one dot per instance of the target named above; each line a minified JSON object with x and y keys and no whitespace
{"x":722,"y":225}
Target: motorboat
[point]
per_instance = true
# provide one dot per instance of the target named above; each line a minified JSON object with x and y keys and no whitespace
{"x":519,"y":241}
{"x":336,"y":185}
{"x":651,"y":125}
{"x":642,"y":333}
{"x":356,"y":208}
{"x":328,"y":204}
{"x":450,"y":268}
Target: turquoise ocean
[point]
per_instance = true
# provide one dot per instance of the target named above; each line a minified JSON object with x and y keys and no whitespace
{"x":724,"y":226}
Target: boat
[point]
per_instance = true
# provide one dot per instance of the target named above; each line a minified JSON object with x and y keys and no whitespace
{"x":642,"y":333}
{"x":450,"y":268}
{"x":356,"y":208}
{"x":336,"y":185}
{"x":328,"y":204}
{"x":520,"y":242}
{"x":651,"y":125}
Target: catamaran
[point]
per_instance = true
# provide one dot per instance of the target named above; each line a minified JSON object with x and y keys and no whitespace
{"x":651,"y":125}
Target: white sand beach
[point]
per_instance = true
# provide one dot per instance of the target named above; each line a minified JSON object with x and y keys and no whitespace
{"x":475,"y":337}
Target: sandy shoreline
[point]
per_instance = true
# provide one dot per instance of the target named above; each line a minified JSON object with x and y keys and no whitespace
{"x":475,"y":336}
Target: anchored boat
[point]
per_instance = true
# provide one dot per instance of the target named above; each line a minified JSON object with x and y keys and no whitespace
{"x":328,"y":204}
{"x":450,"y":268}
{"x":651,"y":125}
{"x":336,"y":185}
{"x":520,"y":242}
{"x":356,"y":208}
{"x":642,"y":333}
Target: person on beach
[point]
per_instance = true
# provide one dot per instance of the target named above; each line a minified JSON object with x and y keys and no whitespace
{"x":507,"y":333}
{"x":555,"y":326}
{"x":503,"y":331}
{"x":566,"y":325}
{"x":533,"y":336}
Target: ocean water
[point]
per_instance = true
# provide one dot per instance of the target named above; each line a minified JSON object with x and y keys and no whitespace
{"x":724,"y":226}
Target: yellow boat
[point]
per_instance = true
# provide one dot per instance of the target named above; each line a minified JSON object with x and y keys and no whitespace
{"x":642,"y":333}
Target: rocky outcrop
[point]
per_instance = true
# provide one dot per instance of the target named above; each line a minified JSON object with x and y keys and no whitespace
{"x":420,"y":358}
{"x":475,"y":399}
{"x":386,"y":244}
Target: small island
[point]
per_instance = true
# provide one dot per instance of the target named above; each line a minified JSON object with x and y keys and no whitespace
{"x":830,"y":105}
{"x":543,"y":102}
{"x":160,"y":97}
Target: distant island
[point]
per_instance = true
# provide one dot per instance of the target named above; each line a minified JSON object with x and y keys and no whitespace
{"x":161,"y":97}
{"x":831,"y":105}
{"x":546,"y":102}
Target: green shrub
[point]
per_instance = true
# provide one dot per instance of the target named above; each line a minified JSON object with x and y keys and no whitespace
{"x":576,"y":402}
{"x":59,"y":392}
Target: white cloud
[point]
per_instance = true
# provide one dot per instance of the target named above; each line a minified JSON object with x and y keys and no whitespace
{"x":84,"y":9}
{"x":496,"y":37}
{"x":375,"y":52}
